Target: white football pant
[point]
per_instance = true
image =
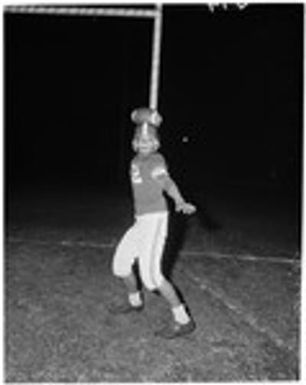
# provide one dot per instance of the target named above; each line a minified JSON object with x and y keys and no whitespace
{"x":144,"y":242}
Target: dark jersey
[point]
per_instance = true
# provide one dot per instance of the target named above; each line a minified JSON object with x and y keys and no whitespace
{"x":145,"y":172}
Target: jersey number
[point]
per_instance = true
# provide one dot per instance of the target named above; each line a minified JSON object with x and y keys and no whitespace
{"x":135,"y":174}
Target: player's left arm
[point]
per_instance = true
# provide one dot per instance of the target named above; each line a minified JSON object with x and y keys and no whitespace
{"x":161,"y":174}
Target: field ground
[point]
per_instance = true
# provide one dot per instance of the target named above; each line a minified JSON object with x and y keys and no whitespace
{"x":237,"y":264}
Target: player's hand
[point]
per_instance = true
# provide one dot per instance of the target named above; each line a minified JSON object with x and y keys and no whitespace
{"x":186,"y":208}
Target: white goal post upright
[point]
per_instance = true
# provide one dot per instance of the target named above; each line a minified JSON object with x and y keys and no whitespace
{"x":156,"y":53}
{"x":155,"y":14}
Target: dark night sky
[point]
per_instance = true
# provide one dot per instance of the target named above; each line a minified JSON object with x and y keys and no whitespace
{"x":230,"y":81}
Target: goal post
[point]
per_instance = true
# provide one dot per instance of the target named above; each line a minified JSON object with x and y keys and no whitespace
{"x":155,"y":15}
{"x":156,"y":53}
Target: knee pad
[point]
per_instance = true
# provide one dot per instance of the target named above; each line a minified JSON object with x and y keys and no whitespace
{"x":150,"y":282}
{"x":121,"y":270}
{"x":149,"y":285}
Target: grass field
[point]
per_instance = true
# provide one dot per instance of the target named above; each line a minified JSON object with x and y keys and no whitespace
{"x":58,"y":286}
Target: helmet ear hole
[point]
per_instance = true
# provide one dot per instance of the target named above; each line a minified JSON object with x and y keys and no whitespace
{"x":156,"y":118}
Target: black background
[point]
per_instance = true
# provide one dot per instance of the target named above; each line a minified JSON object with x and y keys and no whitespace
{"x":231,"y":91}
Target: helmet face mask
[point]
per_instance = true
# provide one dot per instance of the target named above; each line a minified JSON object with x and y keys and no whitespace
{"x":146,"y":138}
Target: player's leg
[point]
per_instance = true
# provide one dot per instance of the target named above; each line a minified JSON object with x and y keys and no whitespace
{"x":122,"y":267}
{"x":134,"y":294}
{"x":154,"y":232}
{"x":151,"y":227}
{"x":182,"y":321}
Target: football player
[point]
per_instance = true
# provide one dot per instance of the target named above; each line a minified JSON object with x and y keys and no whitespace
{"x":144,"y":241}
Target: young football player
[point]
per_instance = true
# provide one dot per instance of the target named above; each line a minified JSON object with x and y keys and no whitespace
{"x":144,"y":242}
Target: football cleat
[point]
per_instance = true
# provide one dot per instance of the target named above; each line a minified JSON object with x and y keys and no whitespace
{"x":124,"y":308}
{"x":176,"y":330}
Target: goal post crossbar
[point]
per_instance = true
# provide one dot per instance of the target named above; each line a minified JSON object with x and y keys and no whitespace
{"x":81,"y":11}
{"x":154,"y":14}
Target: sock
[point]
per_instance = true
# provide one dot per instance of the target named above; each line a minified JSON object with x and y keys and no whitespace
{"x":135,"y":299}
{"x":180,"y":314}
